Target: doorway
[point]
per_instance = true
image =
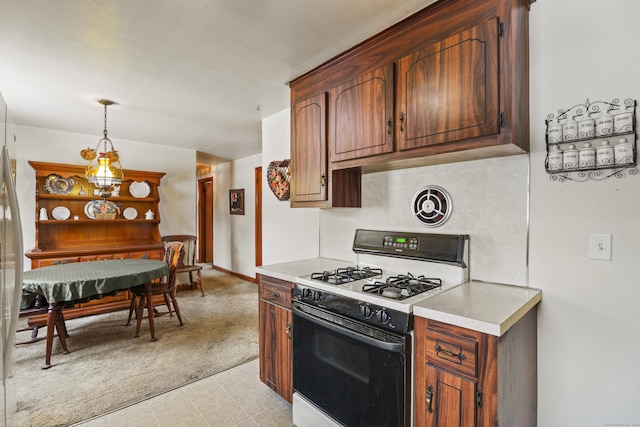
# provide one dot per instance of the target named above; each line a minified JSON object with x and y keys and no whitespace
{"x":205,"y":220}
{"x":258,"y":232}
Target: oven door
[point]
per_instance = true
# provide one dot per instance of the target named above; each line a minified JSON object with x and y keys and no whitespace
{"x":355,"y":373}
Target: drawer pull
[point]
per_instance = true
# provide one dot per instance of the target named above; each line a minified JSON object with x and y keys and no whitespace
{"x":439,"y":350}
{"x":274,"y":294}
{"x":429,"y":397}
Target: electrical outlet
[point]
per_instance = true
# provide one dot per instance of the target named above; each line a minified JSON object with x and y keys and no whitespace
{"x":600,"y":246}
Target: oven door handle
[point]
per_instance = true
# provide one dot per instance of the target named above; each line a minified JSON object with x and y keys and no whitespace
{"x":384,"y":340}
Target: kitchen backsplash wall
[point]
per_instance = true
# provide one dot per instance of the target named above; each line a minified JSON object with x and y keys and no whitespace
{"x":490,"y":203}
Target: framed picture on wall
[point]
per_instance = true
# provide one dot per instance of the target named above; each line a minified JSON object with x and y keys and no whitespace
{"x":236,"y":201}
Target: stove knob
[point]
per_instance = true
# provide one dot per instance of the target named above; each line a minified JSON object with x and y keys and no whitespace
{"x":306,"y":293}
{"x":382,"y":316}
{"x":365,"y":310}
{"x":316,"y":295}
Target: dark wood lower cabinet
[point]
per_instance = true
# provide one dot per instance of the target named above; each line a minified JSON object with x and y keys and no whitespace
{"x":466,"y":378}
{"x":450,"y":398}
{"x":275,"y":335}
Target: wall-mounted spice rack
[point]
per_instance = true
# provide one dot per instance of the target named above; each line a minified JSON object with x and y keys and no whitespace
{"x":593,"y":140}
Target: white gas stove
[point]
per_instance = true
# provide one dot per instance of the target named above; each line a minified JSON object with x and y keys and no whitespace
{"x":395,"y":270}
{"x":352,"y":327}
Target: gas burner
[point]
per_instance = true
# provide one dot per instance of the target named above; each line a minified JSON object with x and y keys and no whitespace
{"x":402,"y":286}
{"x":346,"y":275}
{"x":395,"y":293}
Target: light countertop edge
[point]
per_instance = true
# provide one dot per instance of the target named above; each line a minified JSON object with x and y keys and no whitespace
{"x":290,"y":270}
{"x":490,"y":308}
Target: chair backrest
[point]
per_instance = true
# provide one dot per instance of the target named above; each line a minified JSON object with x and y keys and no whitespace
{"x":172,"y":256}
{"x":188,"y":246}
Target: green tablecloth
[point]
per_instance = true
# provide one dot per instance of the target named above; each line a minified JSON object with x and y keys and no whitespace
{"x":91,"y":279}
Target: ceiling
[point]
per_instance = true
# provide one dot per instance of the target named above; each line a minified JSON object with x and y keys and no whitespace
{"x":197,"y":74}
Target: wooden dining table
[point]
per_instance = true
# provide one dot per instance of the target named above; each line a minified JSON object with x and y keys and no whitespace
{"x":63,"y":285}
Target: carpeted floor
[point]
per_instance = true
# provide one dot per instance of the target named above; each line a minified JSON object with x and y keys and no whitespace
{"x":108,"y":369}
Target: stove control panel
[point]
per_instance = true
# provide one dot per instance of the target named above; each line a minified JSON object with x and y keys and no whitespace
{"x":400,"y":242}
{"x":440,"y":248}
{"x":365,"y":312}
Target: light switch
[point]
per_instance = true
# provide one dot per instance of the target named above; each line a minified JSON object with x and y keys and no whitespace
{"x":600,"y":246}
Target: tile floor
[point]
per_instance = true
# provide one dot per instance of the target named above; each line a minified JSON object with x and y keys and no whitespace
{"x":235,"y":397}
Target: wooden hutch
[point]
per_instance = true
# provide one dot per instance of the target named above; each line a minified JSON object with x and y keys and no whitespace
{"x":78,"y":234}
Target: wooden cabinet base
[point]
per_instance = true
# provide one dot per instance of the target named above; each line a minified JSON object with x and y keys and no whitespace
{"x":275,"y":335}
{"x":470,"y":379}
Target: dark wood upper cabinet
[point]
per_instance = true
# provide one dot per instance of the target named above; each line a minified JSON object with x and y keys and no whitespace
{"x":313,"y":182}
{"x":362,"y":120}
{"x":309,"y":153}
{"x":454,"y":79}
{"x":449,"y":90}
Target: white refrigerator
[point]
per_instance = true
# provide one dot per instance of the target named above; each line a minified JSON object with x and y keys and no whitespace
{"x":11,"y":268}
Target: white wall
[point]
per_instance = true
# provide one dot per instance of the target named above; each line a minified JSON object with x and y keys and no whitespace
{"x":234,"y":235}
{"x":177,"y":188}
{"x":589,"y":326}
{"x":287,"y":234}
{"x":489,"y":199}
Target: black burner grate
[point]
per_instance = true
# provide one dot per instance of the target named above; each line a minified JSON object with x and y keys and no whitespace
{"x":403,"y":286}
{"x":346,"y":275}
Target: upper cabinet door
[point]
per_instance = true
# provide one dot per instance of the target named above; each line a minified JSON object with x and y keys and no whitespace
{"x":361,"y":116}
{"x":449,"y":91}
{"x":309,"y":150}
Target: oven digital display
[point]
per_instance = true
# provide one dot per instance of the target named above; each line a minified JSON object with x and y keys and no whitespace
{"x":401,"y":240}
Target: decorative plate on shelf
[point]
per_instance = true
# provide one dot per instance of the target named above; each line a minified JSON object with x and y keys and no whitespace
{"x":139,"y":189}
{"x":130,"y":213}
{"x":100,"y":206}
{"x":55,"y":184}
{"x":61,"y":213}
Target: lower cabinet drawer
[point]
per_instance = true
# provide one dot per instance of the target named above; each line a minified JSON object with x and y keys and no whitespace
{"x":44,"y":262}
{"x":276,"y":291}
{"x":147,"y":255}
{"x":453,"y":352}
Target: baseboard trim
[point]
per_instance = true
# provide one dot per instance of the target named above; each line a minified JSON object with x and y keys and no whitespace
{"x":233,"y":273}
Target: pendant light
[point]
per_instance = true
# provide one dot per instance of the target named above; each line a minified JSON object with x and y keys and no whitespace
{"x":104,"y":170}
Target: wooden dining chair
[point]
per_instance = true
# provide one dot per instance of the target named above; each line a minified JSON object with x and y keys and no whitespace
{"x":143,"y":294}
{"x":188,"y":263}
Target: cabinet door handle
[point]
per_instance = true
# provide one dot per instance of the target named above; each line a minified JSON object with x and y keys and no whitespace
{"x":401,"y":120}
{"x":288,"y":330}
{"x":429,"y":398}
{"x":274,"y":294}
{"x":389,"y":123}
{"x":439,"y":349}
{"x":323,"y":179}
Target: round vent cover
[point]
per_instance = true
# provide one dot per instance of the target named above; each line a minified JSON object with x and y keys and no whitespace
{"x":431,"y":206}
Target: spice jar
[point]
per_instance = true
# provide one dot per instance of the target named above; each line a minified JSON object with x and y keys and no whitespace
{"x":587,"y":156}
{"x":554,"y":131}
{"x":570,"y":157}
{"x":623,"y":122}
{"x":586,"y":127}
{"x":623,"y":152}
{"x":555,"y":159}
{"x":604,"y":124}
{"x":604,"y":154}
{"x":569,"y":129}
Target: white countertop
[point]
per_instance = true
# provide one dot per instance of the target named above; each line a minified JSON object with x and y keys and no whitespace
{"x":290,"y":270}
{"x":481,"y":306}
